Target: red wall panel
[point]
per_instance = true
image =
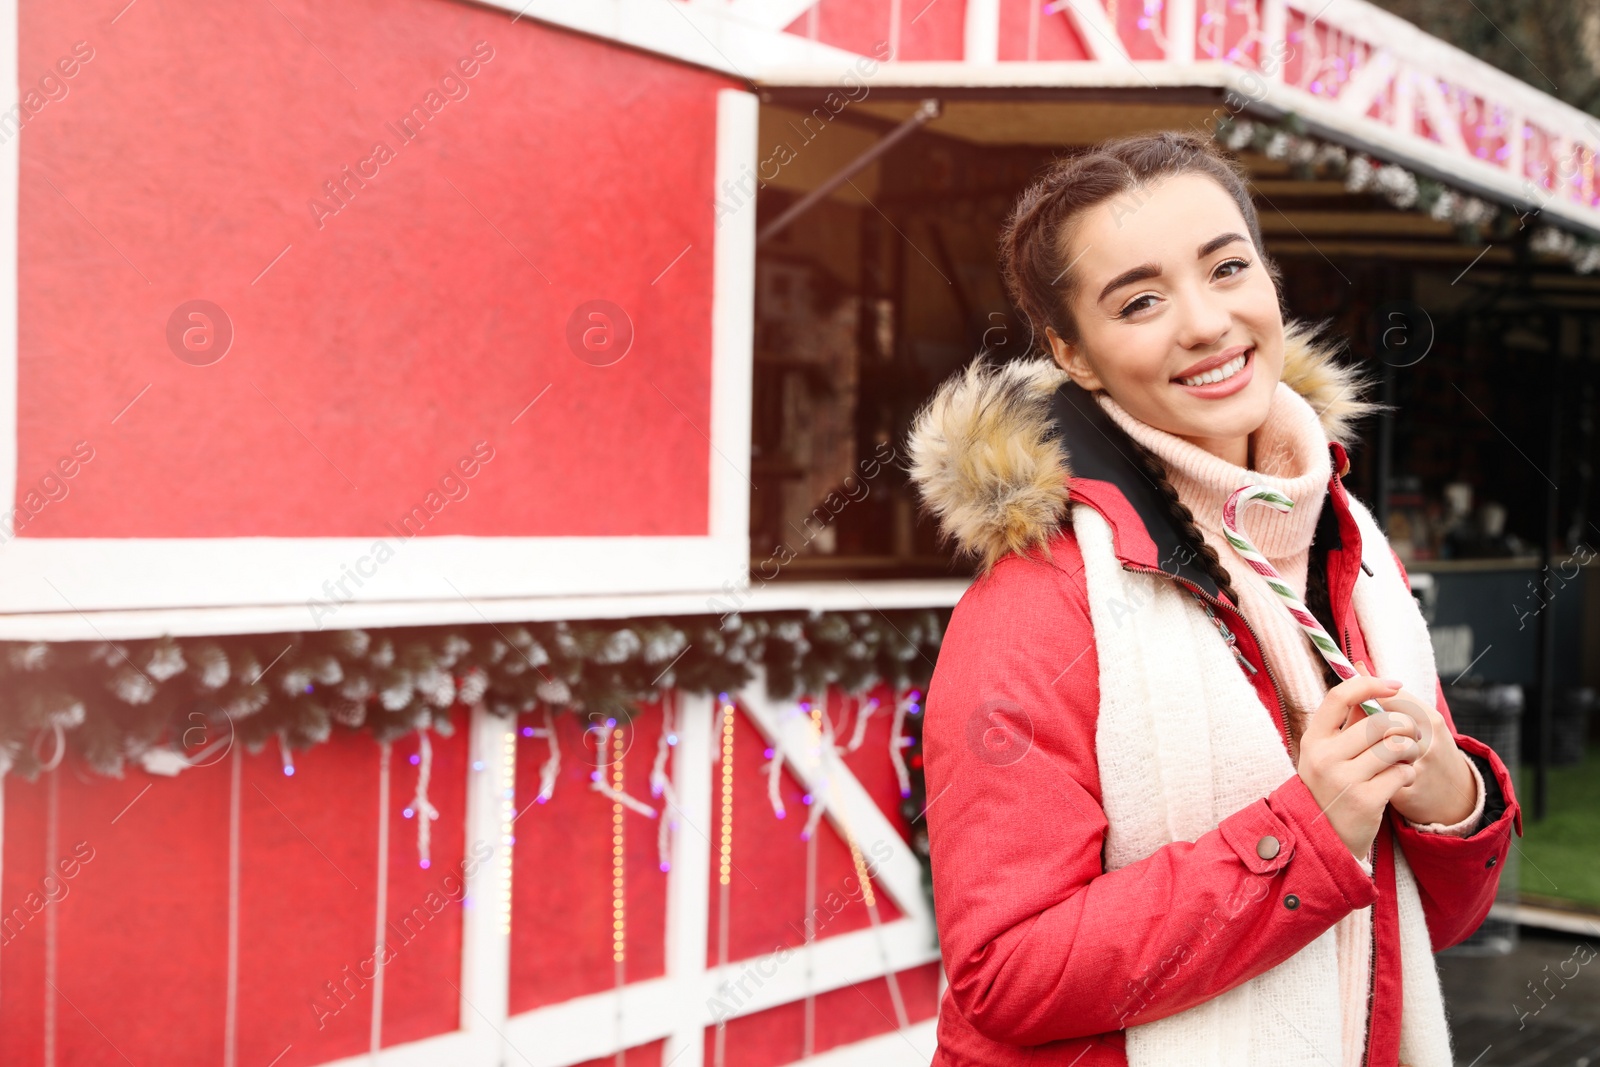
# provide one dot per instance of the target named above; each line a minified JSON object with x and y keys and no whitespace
{"x":767,"y":892}
{"x":561,"y":943}
{"x":373,"y":347}
{"x":841,"y":1016}
{"x":425,"y":903}
{"x":929,"y":29}
{"x":1055,"y":36}
{"x":141,"y":925}
{"x":140,"y":930}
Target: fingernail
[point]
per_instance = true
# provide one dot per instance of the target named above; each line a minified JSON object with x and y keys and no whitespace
{"x":1392,"y":683}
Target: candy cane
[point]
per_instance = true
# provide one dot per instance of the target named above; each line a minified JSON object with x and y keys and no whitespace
{"x":1232,"y":511}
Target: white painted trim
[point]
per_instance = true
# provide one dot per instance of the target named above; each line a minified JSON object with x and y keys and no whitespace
{"x":771,"y":596}
{"x":1368,"y":83}
{"x":485,"y":980}
{"x":850,"y":807}
{"x":912,"y":1047}
{"x":1274,"y":22}
{"x":1094,"y":28}
{"x":118,"y":574}
{"x":769,"y":14}
{"x":688,"y":884}
{"x":982,"y":31}
{"x":1427,"y":96}
{"x":10,"y":165}
{"x":735,"y":39}
{"x":583,"y":1028}
{"x":455,"y":1048}
{"x":733,"y":301}
{"x":1181,"y":19}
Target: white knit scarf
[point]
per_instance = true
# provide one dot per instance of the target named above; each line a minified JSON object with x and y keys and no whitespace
{"x":1183,"y":742}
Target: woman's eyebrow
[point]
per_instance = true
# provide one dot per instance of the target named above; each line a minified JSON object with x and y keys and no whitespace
{"x":1153,"y":270}
{"x":1217,"y":242}
{"x":1128,"y":277}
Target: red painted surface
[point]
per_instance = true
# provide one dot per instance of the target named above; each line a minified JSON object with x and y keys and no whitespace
{"x":141,"y":930}
{"x":393,"y":335}
{"x":1054,"y":36}
{"x":562,"y":867}
{"x":141,"y":926}
{"x":928,"y":30}
{"x":767,"y":891}
{"x":648,"y":1055}
{"x":1226,"y":34}
{"x":840,"y":1016}
{"x":870,"y":763}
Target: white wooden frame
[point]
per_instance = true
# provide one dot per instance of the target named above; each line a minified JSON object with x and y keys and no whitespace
{"x":82,"y":576}
{"x":678,"y":1005}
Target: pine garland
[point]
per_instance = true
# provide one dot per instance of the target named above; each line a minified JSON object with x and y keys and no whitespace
{"x":1474,"y":219}
{"x":115,"y":703}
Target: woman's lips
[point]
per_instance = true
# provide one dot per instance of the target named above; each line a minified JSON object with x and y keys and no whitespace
{"x":1228,"y":386}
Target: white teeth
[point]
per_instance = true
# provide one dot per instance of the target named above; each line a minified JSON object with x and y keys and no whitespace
{"x":1227,"y":370}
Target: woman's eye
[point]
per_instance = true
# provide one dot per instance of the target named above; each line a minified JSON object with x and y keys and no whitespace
{"x":1133,"y":306}
{"x":1241,"y":263}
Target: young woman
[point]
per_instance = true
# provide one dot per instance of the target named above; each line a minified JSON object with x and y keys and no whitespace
{"x":1163,"y":831}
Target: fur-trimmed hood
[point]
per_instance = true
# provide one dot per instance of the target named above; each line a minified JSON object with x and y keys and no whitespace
{"x":992,"y":468}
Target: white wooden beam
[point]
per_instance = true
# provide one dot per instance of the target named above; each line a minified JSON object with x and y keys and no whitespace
{"x":982,"y":32}
{"x":688,"y":882}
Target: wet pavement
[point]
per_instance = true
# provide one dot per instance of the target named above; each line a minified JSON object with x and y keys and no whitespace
{"x":1539,"y":1006}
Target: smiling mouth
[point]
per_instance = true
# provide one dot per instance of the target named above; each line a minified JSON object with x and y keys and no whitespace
{"x":1219,"y":374}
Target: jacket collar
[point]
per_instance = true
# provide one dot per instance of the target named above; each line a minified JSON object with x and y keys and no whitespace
{"x":1108,"y":479}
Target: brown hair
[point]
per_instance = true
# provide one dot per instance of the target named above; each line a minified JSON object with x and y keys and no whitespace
{"x":1041,"y":283}
{"x":1033,"y":242}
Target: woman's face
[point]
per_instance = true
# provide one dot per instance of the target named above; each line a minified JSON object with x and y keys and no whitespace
{"x":1171,"y":292}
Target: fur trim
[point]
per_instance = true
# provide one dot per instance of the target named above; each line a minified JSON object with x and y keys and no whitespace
{"x":986,"y":469}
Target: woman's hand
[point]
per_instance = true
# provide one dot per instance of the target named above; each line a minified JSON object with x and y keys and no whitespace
{"x":1352,"y":763}
{"x":1444,"y":790}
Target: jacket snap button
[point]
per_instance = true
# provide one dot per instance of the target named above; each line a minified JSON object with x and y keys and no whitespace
{"x":1291,"y":902}
{"x":1491,"y":861}
{"x":1267,"y":847}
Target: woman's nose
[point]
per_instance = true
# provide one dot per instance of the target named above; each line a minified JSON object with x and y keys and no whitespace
{"x":1204,"y":319}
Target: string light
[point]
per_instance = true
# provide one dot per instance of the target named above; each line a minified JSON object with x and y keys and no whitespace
{"x":725,"y":867}
{"x":861,"y":869}
{"x":508,"y":813}
{"x":618,"y":867}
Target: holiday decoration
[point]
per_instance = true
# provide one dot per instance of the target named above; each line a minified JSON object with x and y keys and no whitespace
{"x":1475,"y":220}
{"x":116,"y":702}
{"x":1232,"y":511}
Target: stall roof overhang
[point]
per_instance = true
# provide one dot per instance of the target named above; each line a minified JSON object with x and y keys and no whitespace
{"x":1402,"y":95}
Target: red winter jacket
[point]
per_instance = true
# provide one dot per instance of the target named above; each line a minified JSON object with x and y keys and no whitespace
{"x":1044,"y":950}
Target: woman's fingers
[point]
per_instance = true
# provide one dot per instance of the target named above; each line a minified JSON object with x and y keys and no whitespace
{"x":1362,"y":731}
{"x":1335,"y":709}
{"x":1388,"y":751}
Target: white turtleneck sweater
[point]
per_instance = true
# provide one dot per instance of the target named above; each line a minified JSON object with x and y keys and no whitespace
{"x":1290,"y":454}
